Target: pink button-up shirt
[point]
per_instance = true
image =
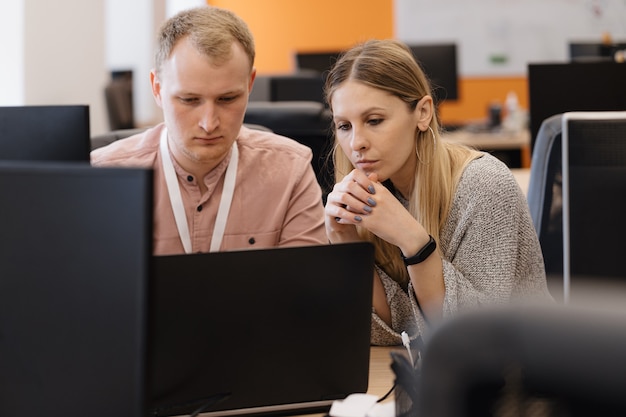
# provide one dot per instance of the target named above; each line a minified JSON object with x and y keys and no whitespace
{"x":277,"y":200}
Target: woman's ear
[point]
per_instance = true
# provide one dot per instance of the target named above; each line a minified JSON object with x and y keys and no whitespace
{"x":424,"y":112}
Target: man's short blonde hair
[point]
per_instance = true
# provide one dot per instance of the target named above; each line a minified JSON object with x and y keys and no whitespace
{"x":212,"y":30}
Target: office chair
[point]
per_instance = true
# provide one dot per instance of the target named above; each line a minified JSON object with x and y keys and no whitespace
{"x":119,"y":101}
{"x":594,"y":186}
{"x":308,"y":122}
{"x":98,"y":141}
{"x":545,"y":197}
{"x":545,"y":361}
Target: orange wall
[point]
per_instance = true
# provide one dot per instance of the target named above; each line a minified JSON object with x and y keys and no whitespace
{"x":281,"y":27}
{"x":476,"y":94}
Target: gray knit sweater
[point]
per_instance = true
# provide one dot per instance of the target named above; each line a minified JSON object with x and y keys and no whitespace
{"x":490,"y":251}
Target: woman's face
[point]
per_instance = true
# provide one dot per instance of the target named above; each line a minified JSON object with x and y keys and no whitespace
{"x":377,"y":131}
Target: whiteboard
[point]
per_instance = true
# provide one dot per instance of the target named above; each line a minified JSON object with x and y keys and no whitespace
{"x":500,"y":37}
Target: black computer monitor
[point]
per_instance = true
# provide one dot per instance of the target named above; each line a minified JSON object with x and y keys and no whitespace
{"x":45,"y":133}
{"x":319,"y":62}
{"x":75,"y":251}
{"x":561,"y":87}
{"x":439,"y":62}
{"x":594,"y":51}
{"x":297,"y":87}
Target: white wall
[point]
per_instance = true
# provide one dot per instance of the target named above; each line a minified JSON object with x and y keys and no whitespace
{"x":53,"y":54}
{"x":62,"y":52}
{"x":11,"y":45}
{"x":130,"y":33}
{"x":521,"y":31}
{"x":131,"y":29}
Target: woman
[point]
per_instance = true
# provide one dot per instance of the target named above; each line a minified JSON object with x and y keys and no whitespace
{"x":450,"y":225}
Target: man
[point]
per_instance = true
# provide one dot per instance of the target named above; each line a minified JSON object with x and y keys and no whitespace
{"x":218,"y":185}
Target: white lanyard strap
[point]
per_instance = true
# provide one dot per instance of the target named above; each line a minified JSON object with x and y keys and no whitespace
{"x":227,"y":198}
{"x":173,"y":189}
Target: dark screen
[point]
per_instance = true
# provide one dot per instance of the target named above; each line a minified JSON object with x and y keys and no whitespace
{"x":257,"y":348}
{"x":298,"y":87}
{"x":439,"y":62}
{"x":581,"y":51}
{"x":75,"y":252}
{"x":45,"y":133}
{"x":316,"y":61}
{"x":562,"y":87}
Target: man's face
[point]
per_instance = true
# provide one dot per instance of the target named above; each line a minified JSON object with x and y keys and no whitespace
{"x":203,"y":104}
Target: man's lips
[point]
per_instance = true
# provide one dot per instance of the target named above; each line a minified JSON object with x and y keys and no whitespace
{"x":207,"y":140}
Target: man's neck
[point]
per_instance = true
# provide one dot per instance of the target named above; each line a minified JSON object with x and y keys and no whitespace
{"x":197,"y":169}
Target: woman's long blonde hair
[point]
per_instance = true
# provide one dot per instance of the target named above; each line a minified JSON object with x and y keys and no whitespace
{"x":388,"y":65}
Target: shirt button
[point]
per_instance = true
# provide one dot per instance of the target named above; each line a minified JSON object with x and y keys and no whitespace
{"x":251,"y":241}
{"x":189,"y":178}
{"x":199,"y":208}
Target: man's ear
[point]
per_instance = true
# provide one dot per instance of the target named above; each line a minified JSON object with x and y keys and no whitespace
{"x":252,"y":78}
{"x":424,"y":111}
{"x":156,"y":87}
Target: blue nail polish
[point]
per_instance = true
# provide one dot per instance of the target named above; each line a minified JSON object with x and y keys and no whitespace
{"x":367,"y":209}
{"x":371,"y":201}
{"x":371,"y":189}
{"x":357,"y":218}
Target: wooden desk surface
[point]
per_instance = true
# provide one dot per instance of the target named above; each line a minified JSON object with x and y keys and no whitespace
{"x":492,"y":141}
{"x":489,"y":140}
{"x":381,"y":376}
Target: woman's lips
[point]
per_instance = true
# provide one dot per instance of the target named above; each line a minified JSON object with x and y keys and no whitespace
{"x":365,"y":164}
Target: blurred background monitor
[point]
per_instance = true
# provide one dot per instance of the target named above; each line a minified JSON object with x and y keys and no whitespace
{"x":45,"y":133}
{"x":73,"y":288}
{"x":594,"y":51}
{"x":297,"y":87}
{"x":439,"y":62}
{"x":319,"y":62}
{"x":562,"y":87}
{"x":118,"y":94}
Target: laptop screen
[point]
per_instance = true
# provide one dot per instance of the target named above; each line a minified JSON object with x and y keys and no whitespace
{"x":260,"y":331}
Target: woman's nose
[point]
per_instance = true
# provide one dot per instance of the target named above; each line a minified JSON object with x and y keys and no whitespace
{"x":358,"y":141}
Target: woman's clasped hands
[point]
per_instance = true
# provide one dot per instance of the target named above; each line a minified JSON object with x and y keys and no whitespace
{"x":360,"y":199}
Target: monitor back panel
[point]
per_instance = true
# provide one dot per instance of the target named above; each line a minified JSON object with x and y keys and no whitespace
{"x":264,"y":331}
{"x":439,"y":62}
{"x":594,"y":197}
{"x":556,"y":88}
{"x":45,"y":133}
{"x":74,"y":262}
{"x":321,"y":62}
{"x":299,"y":87}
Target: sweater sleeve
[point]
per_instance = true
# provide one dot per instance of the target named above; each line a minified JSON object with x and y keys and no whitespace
{"x":490,"y":250}
{"x":405,"y":315}
{"x":491,"y":253}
